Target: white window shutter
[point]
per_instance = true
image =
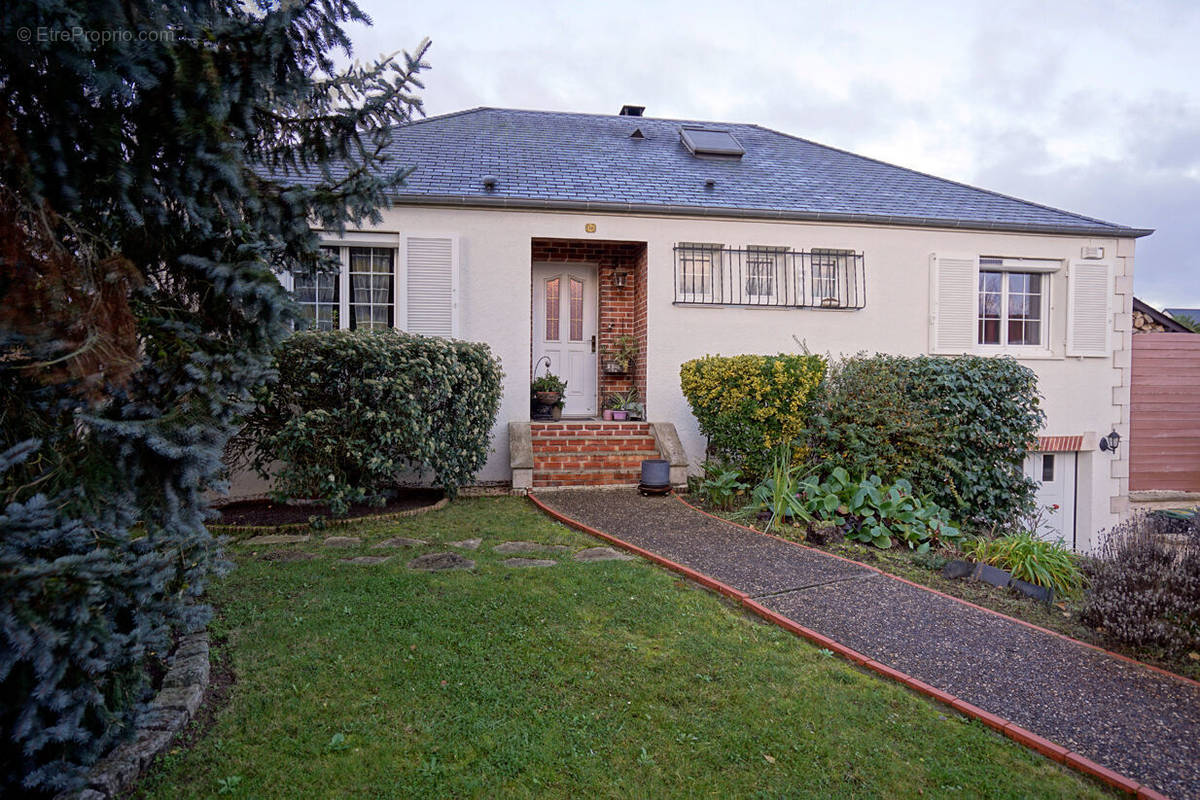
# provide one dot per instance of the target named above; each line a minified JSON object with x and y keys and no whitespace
{"x":954,"y":303}
{"x":430,"y":285}
{"x":1089,"y":309}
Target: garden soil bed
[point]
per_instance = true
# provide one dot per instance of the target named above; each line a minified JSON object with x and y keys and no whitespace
{"x":270,"y":514}
{"x":1062,"y":616}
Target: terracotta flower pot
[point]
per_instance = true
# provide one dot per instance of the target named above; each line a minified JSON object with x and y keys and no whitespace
{"x":608,"y":415}
{"x":548,"y":398}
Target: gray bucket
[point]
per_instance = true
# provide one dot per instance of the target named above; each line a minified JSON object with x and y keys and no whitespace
{"x":656,"y":472}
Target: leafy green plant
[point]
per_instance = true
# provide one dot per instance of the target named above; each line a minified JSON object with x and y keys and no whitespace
{"x":957,"y":428}
{"x":548,"y":383}
{"x":352,"y":411}
{"x":627,"y":401}
{"x":877,"y":514}
{"x":1029,"y":558}
{"x":750,"y":404}
{"x":779,"y":493}
{"x":622,"y":351}
{"x":721,"y":485}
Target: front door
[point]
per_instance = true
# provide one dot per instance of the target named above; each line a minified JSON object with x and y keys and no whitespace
{"x":564,"y":330}
{"x":1055,"y":476}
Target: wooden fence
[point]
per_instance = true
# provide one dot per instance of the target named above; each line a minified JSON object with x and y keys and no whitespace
{"x":1164,"y":417}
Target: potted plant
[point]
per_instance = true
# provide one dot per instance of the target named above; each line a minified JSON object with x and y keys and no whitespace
{"x":629,"y":403}
{"x":620,"y":354}
{"x":547,"y":396}
{"x":615,"y":410}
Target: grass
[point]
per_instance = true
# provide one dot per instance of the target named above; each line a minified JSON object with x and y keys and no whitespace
{"x":612,"y":679}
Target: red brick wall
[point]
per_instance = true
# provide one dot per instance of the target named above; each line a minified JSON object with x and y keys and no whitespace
{"x":640,"y":328}
{"x":590,"y":453}
{"x":622,"y":309}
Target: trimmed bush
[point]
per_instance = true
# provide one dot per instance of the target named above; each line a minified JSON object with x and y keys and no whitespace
{"x":1145,"y":584}
{"x":747,"y":405}
{"x":957,"y":428}
{"x":352,"y":411}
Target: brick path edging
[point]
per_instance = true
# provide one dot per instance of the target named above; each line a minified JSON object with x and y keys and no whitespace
{"x":1010,"y":729}
{"x":985,"y":609}
{"x":173,"y":707}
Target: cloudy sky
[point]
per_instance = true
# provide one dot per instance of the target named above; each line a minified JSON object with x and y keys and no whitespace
{"x":1089,"y":106}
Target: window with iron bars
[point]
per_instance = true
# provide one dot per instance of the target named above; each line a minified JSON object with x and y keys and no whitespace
{"x":772,"y":276}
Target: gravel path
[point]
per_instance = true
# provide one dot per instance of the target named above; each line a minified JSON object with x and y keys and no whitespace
{"x":1133,"y":720}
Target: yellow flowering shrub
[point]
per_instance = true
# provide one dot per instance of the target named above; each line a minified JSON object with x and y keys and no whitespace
{"x":748,"y":404}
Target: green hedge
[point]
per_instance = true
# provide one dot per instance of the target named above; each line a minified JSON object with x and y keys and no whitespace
{"x":353,"y":410}
{"x":747,"y":405}
{"x":957,"y":428}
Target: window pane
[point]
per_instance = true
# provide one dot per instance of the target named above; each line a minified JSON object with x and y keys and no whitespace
{"x":698,"y":271}
{"x":552,"y":301}
{"x":372,"y":287}
{"x":576,"y":310}
{"x":1047,"y":468}
{"x":989,"y":281}
{"x":761,"y":267}
{"x":989,"y":331}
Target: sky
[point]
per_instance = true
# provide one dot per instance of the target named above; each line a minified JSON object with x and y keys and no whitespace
{"x":1093,"y":107}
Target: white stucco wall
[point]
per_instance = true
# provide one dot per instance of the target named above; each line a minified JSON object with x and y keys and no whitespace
{"x":1082,"y":395}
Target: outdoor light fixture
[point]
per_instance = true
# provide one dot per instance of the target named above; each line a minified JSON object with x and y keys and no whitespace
{"x":1111,"y":442}
{"x":619,"y":280}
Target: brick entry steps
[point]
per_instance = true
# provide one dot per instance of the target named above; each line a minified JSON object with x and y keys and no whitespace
{"x":590,"y":453}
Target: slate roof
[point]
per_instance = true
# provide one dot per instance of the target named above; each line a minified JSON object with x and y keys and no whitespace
{"x":1192,"y":313}
{"x":558,"y":160}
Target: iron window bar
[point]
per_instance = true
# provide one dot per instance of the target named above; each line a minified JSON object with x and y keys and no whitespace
{"x":772,"y":277}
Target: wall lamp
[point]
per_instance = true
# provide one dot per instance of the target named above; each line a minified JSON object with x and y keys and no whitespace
{"x":619,"y":280}
{"x":1111,"y":442}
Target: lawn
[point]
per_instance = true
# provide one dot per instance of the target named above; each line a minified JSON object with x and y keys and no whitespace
{"x":612,"y":679}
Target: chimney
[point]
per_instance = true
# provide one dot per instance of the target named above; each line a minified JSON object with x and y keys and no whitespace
{"x":631,"y":111}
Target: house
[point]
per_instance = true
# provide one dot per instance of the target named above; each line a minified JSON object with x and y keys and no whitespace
{"x":552,"y":234}
{"x":1191,"y":314}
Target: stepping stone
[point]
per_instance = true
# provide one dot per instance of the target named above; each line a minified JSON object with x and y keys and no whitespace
{"x":603,"y":554}
{"x":528,"y":562}
{"x":365,"y":560}
{"x":529,"y":547}
{"x":284,"y":556}
{"x":399,"y":541}
{"x":467,"y":544}
{"x":432,"y":562}
{"x":277,"y":539}
{"x":342,"y":541}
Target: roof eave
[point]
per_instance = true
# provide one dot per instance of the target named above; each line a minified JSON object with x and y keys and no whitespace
{"x":536,"y":204}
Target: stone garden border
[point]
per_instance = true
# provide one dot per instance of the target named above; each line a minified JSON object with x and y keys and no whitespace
{"x":242,"y":531}
{"x":182,"y":691}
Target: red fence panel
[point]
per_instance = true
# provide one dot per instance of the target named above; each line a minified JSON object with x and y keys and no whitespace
{"x":1164,"y":416}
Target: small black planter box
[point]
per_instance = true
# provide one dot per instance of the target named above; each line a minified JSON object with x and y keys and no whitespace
{"x":1033,"y":590}
{"x":958,"y":569}
{"x":993,"y":575}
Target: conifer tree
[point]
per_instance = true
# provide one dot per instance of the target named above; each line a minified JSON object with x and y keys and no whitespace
{"x":160,"y":163}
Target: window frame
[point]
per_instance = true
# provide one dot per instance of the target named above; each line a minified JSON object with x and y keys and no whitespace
{"x":715,"y":253}
{"x":776,"y":257}
{"x":837,"y":262}
{"x":342,"y":293}
{"x":1044,"y":270}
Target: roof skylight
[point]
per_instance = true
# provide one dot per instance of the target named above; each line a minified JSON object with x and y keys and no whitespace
{"x":711,"y":142}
